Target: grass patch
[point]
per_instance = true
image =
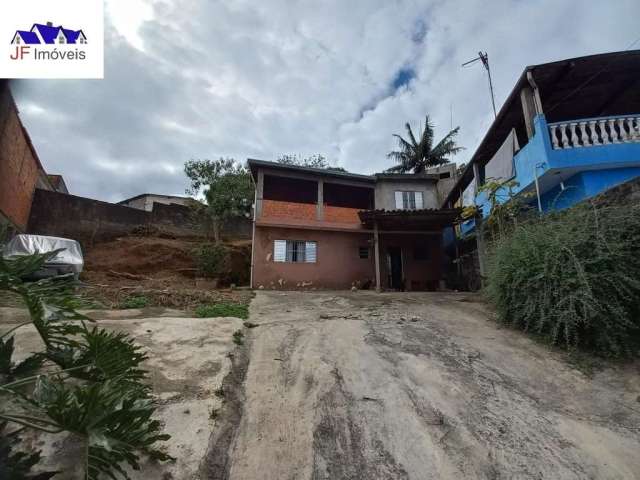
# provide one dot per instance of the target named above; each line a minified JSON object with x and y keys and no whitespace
{"x":135,"y":301}
{"x":237,"y":310}
{"x":238,"y":337}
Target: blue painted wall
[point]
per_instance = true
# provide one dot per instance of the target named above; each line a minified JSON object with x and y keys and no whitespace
{"x":605,"y":166}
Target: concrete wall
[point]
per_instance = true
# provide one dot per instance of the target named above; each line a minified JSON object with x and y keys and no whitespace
{"x":88,"y":220}
{"x":83,"y":219}
{"x":386,"y":188}
{"x":20,"y":169}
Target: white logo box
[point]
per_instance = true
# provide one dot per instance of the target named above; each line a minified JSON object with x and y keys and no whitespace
{"x":61,"y":39}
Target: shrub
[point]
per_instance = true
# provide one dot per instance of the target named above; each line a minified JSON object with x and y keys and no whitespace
{"x":572,"y":278}
{"x":135,"y":301}
{"x":237,"y":310}
{"x":212,"y":260}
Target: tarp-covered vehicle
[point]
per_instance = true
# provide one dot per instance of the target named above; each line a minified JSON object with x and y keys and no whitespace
{"x":68,"y":260}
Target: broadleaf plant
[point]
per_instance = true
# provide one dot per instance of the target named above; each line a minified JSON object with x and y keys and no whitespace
{"x":87,"y":381}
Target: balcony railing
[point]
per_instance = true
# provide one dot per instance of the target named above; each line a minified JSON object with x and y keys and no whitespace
{"x":595,"y":131}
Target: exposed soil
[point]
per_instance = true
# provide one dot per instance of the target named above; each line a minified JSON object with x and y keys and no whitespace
{"x":366,"y":386}
{"x":160,"y":269}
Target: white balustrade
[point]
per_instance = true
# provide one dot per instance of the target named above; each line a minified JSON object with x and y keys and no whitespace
{"x":593,"y":132}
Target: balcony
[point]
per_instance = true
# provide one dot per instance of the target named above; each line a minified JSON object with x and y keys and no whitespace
{"x":573,"y":160}
{"x":306,"y":203}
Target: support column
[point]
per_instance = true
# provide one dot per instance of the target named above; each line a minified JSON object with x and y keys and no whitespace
{"x":259,"y":190}
{"x":376,"y":254}
{"x":528,"y":109}
{"x":320,"y":202}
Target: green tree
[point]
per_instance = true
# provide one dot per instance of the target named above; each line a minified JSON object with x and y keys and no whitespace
{"x":417,"y":155}
{"x":227,"y":188}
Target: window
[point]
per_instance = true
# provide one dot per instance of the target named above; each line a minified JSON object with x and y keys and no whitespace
{"x":420,"y":253}
{"x":363,"y":252}
{"x":409,"y":201}
{"x":445,"y":175}
{"x":294,"y":251}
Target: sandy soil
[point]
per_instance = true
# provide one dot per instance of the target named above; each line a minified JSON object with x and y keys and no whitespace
{"x":188,"y":362}
{"x":417,"y":386}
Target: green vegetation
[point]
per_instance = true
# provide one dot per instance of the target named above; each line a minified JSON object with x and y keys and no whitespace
{"x":572,"y":278}
{"x":238,"y":337}
{"x":135,"y":301}
{"x":416,"y":156}
{"x":237,"y":310}
{"x":227,"y":188}
{"x":212,"y":260}
{"x":86,"y":381}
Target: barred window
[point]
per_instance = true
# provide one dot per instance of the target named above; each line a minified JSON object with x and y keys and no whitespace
{"x":294,"y":251}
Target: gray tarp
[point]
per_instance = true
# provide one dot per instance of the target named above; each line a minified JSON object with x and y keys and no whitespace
{"x":500,"y":167}
{"x":71,"y":256}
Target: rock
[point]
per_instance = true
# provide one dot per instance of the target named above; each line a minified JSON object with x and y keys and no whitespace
{"x":261,"y":287}
{"x":354,"y":289}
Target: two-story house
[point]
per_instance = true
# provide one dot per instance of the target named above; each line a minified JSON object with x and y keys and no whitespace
{"x":323,"y":228}
{"x":568,"y":131}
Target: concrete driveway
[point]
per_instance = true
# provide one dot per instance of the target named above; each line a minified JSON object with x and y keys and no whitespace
{"x":416,"y":386}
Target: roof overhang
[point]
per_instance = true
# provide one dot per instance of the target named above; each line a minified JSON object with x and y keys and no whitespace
{"x":255,"y":165}
{"x":398,"y":220}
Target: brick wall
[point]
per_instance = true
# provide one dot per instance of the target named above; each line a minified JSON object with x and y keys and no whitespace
{"x":341,"y":215}
{"x":276,"y":209}
{"x":19,"y":167}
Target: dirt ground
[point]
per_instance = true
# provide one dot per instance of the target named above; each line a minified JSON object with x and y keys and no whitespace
{"x":160,"y":269}
{"x":372,"y":386}
{"x":188,"y":360}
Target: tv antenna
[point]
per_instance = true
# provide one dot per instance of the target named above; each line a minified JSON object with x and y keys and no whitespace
{"x":484,"y":58}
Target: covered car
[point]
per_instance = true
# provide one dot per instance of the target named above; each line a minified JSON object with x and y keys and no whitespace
{"x":68,"y":260}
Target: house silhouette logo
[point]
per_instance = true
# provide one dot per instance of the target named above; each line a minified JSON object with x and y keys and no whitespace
{"x":47,"y":34}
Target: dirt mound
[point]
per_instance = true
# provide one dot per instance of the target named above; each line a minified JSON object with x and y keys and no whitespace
{"x":150,"y":256}
{"x":162,"y":270}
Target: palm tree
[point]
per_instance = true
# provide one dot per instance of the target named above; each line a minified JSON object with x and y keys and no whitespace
{"x":416,"y":157}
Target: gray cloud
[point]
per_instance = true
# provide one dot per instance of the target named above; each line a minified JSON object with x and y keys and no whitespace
{"x":260,"y":79}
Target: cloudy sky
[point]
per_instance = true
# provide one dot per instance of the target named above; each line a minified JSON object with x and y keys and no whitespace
{"x":239,"y":78}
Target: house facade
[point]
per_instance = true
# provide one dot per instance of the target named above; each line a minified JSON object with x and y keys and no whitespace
{"x":568,"y":131}
{"x":322,"y":228}
{"x":145,"y":201}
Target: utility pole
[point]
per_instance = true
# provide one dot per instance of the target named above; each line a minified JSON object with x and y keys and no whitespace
{"x":484,"y":58}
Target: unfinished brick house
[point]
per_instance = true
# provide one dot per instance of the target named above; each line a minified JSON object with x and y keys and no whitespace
{"x":322,"y":228}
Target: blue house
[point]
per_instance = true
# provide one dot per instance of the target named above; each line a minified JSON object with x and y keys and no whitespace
{"x":569,"y":130}
{"x":48,"y":34}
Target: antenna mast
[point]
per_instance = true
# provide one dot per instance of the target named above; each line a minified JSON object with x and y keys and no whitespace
{"x":484,"y":57}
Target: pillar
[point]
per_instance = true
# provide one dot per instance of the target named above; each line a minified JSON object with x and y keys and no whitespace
{"x":376,"y":254}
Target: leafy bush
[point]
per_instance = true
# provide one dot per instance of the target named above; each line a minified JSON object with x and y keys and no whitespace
{"x":135,"y":301}
{"x":212,"y":260}
{"x":572,"y":278}
{"x":237,"y":310}
{"x":86,"y":381}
